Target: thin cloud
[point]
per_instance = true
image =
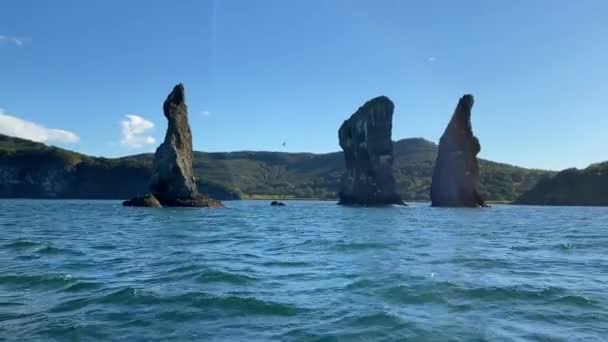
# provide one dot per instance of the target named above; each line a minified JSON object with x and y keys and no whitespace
{"x":17,"y":127}
{"x":431,"y":60}
{"x":12,"y":40}
{"x":205,"y":113}
{"x":135,"y":130}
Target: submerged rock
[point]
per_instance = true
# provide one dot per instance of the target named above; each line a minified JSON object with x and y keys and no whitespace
{"x":172,"y":182}
{"x":456,"y":176}
{"x":368,"y":152}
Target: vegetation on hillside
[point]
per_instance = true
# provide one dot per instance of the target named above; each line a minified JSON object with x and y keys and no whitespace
{"x":243,"y":174}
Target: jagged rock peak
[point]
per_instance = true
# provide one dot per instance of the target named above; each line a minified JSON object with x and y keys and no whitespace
{"x":455,"y":180}
{"x":172,"y":182}
{"x":368,"y":151}
{"x":177,"y":98}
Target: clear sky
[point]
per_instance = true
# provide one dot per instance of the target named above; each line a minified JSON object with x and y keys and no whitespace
{"x":92,"y":75}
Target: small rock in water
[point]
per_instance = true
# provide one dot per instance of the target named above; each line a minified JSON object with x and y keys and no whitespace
{"x":277,"y":204}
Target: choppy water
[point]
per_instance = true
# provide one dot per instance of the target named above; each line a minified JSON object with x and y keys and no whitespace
{"x":311,"y":271}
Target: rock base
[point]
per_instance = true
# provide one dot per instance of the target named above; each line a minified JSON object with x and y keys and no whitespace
{"x":145,"y":201}
{"x":370,"y":202}
{"x":195,"y":202}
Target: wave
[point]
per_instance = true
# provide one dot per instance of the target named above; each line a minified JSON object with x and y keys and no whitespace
{"x":510,"y":293}
{"x":29,"y":280}
{"x":201,"y":274}
{"x":483,"y":263}
{"x":130,"y":296}
{"x":576,"y":300}
{"x":104,"y":247}
{"x":359,"y":246}
{"x":564,"y":246}
{"x":286,"y":264}
{"x":445,"y":291}
{"x":524,"y":248}
{"x":83,"y":286}
{"x":376,"y":319}
{"x":225,"y":277}
{"x":20,"y":244}
{"x":414,"y":295}
{"x":124,"y":296}
{"x":50,"y":250}
{"x":361,"y":284}
{"x":245,"y":305}
{"x":41,"y":248}
{"x":185,"y":269}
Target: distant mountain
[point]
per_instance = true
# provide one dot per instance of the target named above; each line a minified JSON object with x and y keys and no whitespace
{"x":34,"y":170}
{"x":587,"y":187}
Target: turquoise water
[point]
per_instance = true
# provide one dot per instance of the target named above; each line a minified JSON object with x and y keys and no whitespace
{"x":311,"y":271}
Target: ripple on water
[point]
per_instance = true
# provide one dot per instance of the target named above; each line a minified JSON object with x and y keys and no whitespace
{"x":83,"y":286}
{"x":104,"y":247}
{"x":50,"y":250}
{"x":243,"y":305}
{"x":79,"y":270}
{"x":128,"y":297}
{"x":482,"y":263}
{"x":185,"y":269}
{"x":37,"y":280}
{"x":359,"y":246}
{"x":378,"y":319}
{"x":361,"y":284}
{"x":22,"y":244}
{"x":286,"y":264}
{"x":224,"y":277}
{"x":423,"y":294}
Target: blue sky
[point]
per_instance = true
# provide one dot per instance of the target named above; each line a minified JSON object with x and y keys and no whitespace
{"x":258,"y":73}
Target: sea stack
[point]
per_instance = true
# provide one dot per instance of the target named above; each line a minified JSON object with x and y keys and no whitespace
{"x":456,"y":175}
{"x":368,"y":152}
{"x":172,"y":183}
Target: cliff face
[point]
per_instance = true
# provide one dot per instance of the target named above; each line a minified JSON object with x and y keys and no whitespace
{"x":368,"y":152}
{"x":34,"y":170}
{"x":456,"y":176}
{"x":587,"y":187}
{"x":50,"y":176}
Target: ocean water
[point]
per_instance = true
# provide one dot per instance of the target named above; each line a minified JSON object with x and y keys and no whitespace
{"x":311,"y":271}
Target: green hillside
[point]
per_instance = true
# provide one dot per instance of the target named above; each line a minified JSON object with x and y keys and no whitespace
{"x":31,"y":169}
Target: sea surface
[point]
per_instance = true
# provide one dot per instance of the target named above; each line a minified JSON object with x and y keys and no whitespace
{"x":310,"y":271}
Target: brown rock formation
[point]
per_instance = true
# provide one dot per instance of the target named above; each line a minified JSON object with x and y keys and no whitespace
{"x":172,"y":182}
{"x":456,"y":175}
{"x":368,"y":151}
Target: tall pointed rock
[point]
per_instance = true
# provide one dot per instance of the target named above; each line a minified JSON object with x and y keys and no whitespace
{"x":368,"y":151}
{"x":172,"y":177}
{"x":456,"y":176}
{"x":172,"y":183}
